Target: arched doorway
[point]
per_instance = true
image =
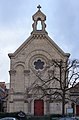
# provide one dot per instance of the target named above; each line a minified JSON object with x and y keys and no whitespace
{"x":38,"y":107}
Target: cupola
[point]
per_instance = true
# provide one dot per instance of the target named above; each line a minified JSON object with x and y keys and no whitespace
{"x":39,"y":21}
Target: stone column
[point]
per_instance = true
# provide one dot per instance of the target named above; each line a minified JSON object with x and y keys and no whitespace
{"x":12,"y":78}
{"x":26,"y":106}
{"x":11,"y":106}
{"x":47,"y":107}
{"x":26,"y":78}
{"x":11,"y":91}
{"x":29,"y":105}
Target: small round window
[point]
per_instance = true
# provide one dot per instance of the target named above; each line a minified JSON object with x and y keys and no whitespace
{"x":39,"y":64}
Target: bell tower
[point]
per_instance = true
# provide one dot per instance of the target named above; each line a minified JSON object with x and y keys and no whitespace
{"x":39,"y":21}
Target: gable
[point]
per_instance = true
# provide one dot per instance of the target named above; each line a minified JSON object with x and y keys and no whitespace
{"x":40,"y":42}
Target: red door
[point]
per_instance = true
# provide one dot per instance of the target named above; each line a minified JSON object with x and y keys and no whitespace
{"x":77,"y":109}
{"x":38,"y":107}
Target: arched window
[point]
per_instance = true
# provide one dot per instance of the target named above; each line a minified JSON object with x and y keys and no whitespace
{"x":39,"y":25}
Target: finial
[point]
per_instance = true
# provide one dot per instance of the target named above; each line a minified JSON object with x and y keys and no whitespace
{"x":39,"y":7}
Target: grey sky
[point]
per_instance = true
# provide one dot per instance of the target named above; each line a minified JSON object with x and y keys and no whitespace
{"x":16,"y":20}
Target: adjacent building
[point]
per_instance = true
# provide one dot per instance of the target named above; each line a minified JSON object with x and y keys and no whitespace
{"x":3,"y":97}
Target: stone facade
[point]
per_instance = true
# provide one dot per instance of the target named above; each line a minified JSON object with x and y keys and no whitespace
{"x":29,"y":62}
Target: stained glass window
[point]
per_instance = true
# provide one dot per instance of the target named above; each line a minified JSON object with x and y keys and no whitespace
{"x":39,"y":64}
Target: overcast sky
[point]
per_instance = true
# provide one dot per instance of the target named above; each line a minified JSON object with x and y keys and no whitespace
{"x":16,"y":25}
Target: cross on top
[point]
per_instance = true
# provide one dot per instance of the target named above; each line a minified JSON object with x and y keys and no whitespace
{"x":39,"y":7}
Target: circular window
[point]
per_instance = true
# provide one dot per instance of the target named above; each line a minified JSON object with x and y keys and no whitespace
{"x":39,"y":64}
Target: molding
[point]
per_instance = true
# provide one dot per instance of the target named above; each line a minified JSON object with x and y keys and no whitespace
{"x":18,"y":93}
{"x":10,"y":101}
{"x":26,"y":72}
{"x":12,"y":72}
{"x":22,"y":100}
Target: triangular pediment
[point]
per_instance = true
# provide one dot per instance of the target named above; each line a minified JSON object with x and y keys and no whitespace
{"x":39,"y":36}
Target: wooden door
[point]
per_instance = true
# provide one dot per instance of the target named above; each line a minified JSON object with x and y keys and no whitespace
{"x":38,"y":107}
{"x":77,"y":109}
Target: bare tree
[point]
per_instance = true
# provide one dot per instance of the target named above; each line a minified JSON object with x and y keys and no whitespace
{"x":66,"y":75}
{"x":62,"y":75}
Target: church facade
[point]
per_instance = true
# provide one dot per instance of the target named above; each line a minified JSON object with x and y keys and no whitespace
{"x":29,"y":67}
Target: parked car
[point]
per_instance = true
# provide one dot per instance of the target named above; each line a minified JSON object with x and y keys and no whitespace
{"x":76,"y":117}
{"x":68,"y":118}
{"x":8,"y":118}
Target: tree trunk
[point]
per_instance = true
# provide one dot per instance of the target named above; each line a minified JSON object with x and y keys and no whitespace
{"x":63,"y":103}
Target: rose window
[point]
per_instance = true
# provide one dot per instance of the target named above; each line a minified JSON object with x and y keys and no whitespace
{"x":39,"y":64}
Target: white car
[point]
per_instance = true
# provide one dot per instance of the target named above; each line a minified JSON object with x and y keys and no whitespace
{"x":8,"y":118}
